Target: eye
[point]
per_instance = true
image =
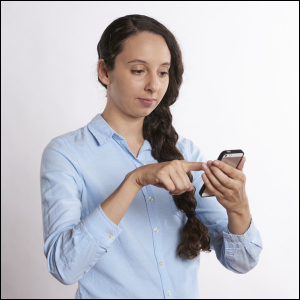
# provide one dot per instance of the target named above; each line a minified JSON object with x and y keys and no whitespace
{"x":164,"y":74}
{"x":138,"y":72}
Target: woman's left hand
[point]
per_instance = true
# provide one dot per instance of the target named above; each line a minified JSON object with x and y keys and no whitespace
{"x":227,"y":184}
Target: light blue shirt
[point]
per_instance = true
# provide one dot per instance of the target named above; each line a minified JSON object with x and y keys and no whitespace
{"x":137,"y":258}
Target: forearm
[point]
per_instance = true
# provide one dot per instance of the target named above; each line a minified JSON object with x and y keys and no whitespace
{"x":116,"y":205}
{"x":87,"y":241}
{"x":238,"y":223}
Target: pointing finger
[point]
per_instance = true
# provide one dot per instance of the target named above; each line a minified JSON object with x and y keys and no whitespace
{"x":192,"y":166}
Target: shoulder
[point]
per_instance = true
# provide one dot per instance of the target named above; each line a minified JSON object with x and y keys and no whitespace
{"x":189,"y":149}
{"x":67,"y":146}
{"x":69,"y":139}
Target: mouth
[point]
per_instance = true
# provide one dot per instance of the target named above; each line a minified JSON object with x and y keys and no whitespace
{"x":147,"y":101}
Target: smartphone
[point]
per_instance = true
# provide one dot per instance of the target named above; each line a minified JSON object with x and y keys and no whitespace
{"x":230,"y":157}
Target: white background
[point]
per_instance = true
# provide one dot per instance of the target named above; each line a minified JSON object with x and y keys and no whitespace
{"x":240,"y":91}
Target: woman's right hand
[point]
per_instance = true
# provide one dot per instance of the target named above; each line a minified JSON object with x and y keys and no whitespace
{"x":170,"y":175}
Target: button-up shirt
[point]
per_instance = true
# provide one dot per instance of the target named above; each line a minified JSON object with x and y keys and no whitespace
{"x":137,"y":258}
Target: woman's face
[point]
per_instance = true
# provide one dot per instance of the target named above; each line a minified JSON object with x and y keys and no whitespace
{"x":140,"y":78}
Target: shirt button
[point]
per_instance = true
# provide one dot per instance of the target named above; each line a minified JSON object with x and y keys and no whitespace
{"x":160,"y":263}
{"x":228,"y":240}
{"x":110,"y":235}
{"x":150,"y":199}
{"x":156,"y":229}
{"x":168,"y":293}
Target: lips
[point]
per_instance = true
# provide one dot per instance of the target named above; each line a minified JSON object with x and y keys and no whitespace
{"x":147,"y":101}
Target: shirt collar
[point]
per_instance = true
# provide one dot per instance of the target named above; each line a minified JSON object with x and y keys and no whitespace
{"x":100,"y":129}
{"x":103,"y":132}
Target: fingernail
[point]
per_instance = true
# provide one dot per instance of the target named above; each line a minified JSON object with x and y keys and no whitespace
{"x":216,"y":163}
{"x":209,"y":162}
{"x":204,"y":166}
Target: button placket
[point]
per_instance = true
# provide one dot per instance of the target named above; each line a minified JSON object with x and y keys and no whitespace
{"x":152,"y":207}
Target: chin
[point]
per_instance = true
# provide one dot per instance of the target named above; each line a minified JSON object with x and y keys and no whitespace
{"x":144,"y":113}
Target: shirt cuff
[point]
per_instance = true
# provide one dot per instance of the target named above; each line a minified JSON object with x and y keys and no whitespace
{"x":233,"y":241}
{"x":101,"y":227}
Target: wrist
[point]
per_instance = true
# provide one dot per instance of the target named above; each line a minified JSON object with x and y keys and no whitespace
{"x":240,"y":212}
{"x":241,"y":208}
{"x":132,"y":179}
{"x":238,"y":223}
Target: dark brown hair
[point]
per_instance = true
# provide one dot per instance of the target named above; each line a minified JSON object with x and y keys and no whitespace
{"x":157,"y":127}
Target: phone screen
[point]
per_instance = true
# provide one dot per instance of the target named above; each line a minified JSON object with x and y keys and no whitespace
{"x":230,"y":157}
{"x":233,"y":160}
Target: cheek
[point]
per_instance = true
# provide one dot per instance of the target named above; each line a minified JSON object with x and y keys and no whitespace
{"x":166,"y":85}
{"x":121,"y":89}
{"x":163,"y":88}
{"x":131,"y":86}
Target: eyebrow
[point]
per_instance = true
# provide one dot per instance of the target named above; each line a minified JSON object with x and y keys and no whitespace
{"x":144,"y":62}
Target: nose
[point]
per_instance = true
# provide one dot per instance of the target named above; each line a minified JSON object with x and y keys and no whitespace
{"x":152,"y":83}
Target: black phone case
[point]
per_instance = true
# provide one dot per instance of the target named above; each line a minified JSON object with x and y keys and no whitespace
{"x":220,"y":158}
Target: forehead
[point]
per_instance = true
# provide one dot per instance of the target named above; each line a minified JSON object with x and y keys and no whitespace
{"x":146,"y":46}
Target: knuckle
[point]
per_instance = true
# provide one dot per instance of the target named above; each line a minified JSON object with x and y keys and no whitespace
{"x":218,"y":185}
{"x":161,"y":172}
{"x":176,"y":162}
{"x":236,"y":190}
{"x":226,"y":181}
{"x":170,"y":166}
{"x":186,"y":185}
{"x":232,"y":172}
{"x":180,"y":187}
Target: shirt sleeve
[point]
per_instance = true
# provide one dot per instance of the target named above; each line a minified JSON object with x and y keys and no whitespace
{"x":72,"y":246}
{"x":238,"y":253}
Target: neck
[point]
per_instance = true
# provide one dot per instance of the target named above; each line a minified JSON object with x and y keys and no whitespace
{"x":129,"y":129}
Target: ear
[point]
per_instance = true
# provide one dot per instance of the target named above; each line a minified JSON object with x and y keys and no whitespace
{"x":102,"y":72}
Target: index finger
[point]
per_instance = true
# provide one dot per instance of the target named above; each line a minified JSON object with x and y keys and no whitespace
{"x":227,"y":169}
{"x":192,"y":166}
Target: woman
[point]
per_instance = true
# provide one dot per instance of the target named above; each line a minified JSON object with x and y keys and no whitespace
{"x":120,"y":213}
